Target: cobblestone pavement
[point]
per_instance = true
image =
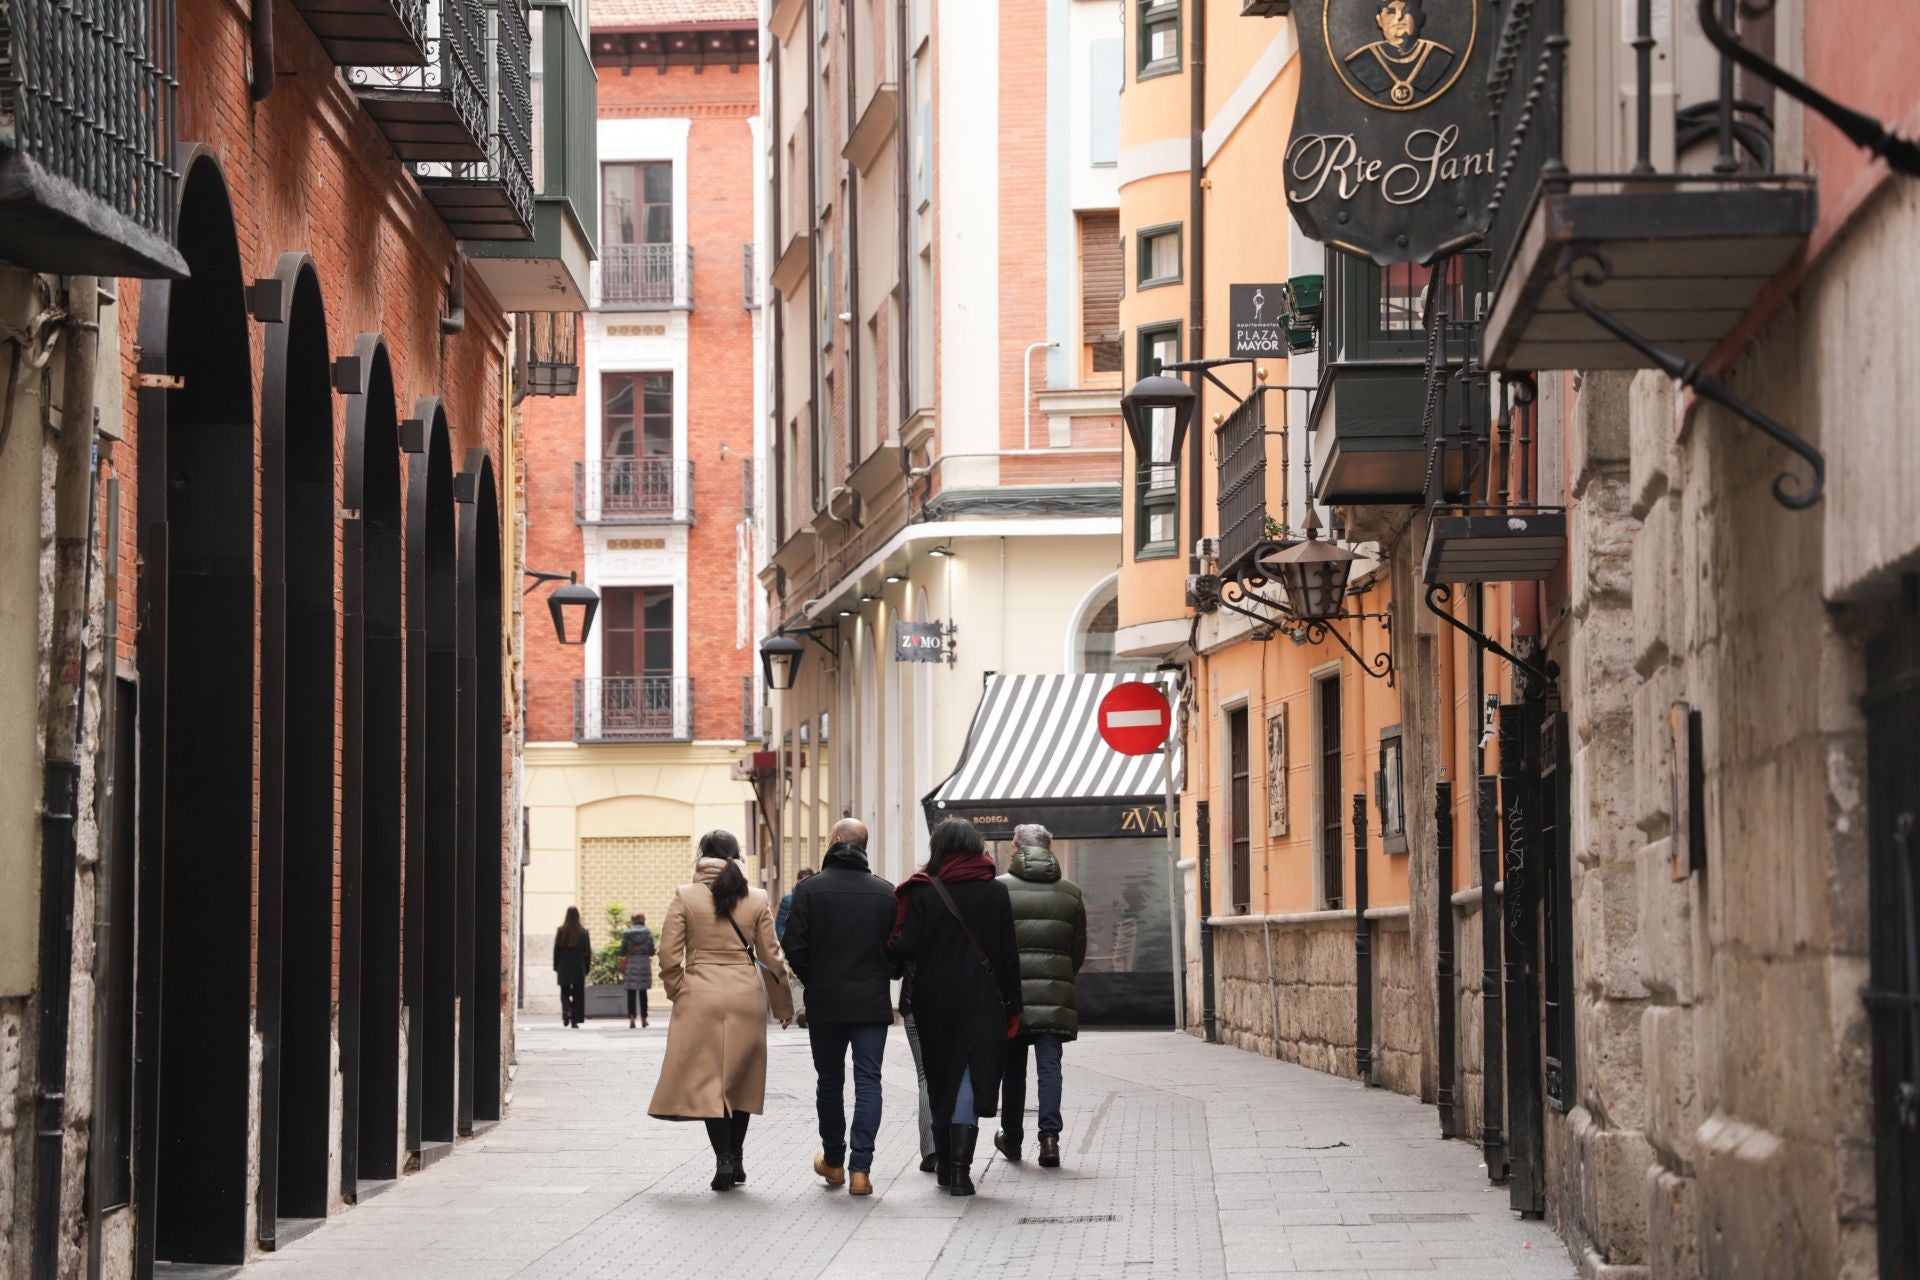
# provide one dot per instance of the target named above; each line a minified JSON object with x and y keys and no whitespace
{"x":1180,"y":1159}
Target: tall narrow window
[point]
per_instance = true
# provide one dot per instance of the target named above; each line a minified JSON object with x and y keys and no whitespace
{"x":636,"y":663}
{"x":636,"y":446}
{"x":1103,"y":278}
{"x":1240,"y":813}
{"x":637,"y":260}
{"x":1159,"y":38}
{"x":637,"y":203}
{"x":1332,"y":886}
{"x":1156,"y":482}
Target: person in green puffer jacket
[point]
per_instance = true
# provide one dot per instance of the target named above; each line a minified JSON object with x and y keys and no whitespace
{"x":1050,"y":929}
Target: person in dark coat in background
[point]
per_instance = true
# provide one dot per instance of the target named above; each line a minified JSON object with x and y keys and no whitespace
{"x":780,"y":918}
{"x":636,"y":966}
{"x":966,"y":988}
{"x":836,"y":942}
{"x":572,"y":957}
{"x":1050,"y":926}
{"x":785,"y":912}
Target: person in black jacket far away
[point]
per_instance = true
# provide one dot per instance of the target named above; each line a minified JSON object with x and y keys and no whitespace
{"x":836,"y":942}
{"x":954,"y":925}
{"x":572,"y":957}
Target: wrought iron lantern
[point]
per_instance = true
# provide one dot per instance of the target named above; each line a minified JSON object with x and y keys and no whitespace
{"x":1313,"y":573}
{"x":548,"y":344}
{"x":571,"y":598}
{"x":1148,"y":396}
{"x":780,"y":661}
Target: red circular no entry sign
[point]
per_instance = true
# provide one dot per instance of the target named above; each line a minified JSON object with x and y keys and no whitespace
{"x":1134,"y":718}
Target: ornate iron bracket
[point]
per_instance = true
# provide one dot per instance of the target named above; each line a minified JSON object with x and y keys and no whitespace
{"x":1689,"y":373}
{"x":1439,"y":593}
{"x":1245,"y":586}
{"x":1876,"y":137}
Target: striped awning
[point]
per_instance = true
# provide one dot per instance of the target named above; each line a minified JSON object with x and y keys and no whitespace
{"x":1034,"y":754}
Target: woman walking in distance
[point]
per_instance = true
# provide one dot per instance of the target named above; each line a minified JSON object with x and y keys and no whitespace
{"x":572,"y":956}
{"x":953,"y":926}
{"x":636,"y":966}
{"x":721,"y":966}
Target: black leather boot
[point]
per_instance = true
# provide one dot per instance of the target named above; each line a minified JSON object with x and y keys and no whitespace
{"x":720,"y":1137}
{"x":962,"y":1140}
{"x":942,"y":1156}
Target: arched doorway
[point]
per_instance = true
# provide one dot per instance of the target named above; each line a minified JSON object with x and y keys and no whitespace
{"x":295,"y":946}
{"x":431,"y":934}
{"x":482,"y":874}
{"x":196,"y":661}
{"x":371,"y":765}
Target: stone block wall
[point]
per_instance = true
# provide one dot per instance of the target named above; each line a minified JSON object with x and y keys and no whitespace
{"x":1304,"y":1012}
{"x":1397,"y":1008}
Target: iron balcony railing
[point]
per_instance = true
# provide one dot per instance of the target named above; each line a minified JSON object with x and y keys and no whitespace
{"x":749,"y":711}
{"x":490,"y":196}
{"x":1546,"y":120}
{"x":646,"y":275}
{"x":749,"y":278}
{"x":86,"y":137}
{"x":633,"y":491}
{"x":633,"y":709}
{"x":1241,"y":443}
{"x":437,"y":111}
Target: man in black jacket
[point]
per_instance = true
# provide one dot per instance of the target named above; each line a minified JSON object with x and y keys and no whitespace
{"x":836,"y":941}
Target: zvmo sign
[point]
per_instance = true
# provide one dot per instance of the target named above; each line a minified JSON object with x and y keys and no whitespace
{"x":1392,"y":149}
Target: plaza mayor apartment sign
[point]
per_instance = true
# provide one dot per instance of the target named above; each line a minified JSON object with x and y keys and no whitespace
{"x":1392,"y":152}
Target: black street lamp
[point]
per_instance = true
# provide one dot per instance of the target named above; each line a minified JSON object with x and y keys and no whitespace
{"x":573,"y":596}
{"x":1138,"y":406}
{"x":780,"y":660}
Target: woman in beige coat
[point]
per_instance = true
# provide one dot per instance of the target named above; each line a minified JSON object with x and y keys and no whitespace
{"x":716,"y":1065}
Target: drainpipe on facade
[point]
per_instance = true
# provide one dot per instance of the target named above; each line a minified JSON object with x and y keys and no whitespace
{"x":73,"y":509}
{"x":260,"y":38}
{"x":1196,"y":447}
{"x":903,"y":246}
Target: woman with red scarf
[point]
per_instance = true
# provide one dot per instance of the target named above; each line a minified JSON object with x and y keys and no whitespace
{"x":953,"y":924}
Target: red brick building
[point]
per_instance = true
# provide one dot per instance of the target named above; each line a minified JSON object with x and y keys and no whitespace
{"x":279,"y":831}
{"x":643,"y":483}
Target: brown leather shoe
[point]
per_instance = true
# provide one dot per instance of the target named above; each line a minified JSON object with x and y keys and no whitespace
{"x":859,"y":1184}
{"x":1049,"y":1151}
{"x":836,"y":1175}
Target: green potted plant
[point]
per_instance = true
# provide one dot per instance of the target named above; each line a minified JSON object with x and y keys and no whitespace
{"x":605,"y":996}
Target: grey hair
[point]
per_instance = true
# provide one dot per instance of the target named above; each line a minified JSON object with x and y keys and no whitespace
{"x":1029,"y":834}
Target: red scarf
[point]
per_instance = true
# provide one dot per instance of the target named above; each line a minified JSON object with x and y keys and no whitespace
{"x":953,"y":870}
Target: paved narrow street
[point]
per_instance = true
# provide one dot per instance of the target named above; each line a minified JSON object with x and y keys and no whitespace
{"x":1180,"y":1159}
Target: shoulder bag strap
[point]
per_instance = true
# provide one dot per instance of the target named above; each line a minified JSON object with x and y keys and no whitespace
{"x":752,"y":955}
{"x":979,"y":952}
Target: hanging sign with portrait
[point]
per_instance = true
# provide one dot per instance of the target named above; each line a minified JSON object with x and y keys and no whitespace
{"x":1392,"y":155}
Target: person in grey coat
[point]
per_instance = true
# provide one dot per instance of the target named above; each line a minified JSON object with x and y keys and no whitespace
{"x":636,"y":966}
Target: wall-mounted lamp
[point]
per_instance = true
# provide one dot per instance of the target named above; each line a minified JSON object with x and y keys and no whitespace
{"x":571,"y":598}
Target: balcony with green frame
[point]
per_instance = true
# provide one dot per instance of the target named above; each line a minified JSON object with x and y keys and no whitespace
{"x":548,"y":272}
{"x":1369,"y":445}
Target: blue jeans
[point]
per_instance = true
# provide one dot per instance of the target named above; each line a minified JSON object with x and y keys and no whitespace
{"x":1013,"y":1085}
{"x":830,"y":1043}
{"x":963,"y":1112}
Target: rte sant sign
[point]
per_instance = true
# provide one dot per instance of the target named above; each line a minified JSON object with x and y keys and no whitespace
{"x":1135,"y":718}
{"x":1392,"y":153}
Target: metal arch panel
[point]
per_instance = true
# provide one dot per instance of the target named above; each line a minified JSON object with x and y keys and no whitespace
{"x":372,"y":685}
{"x":431,"y":771}
{"x":490,"y":875}
{"x":466,"y":742}
{"x":196,"y":536}
{"x":296,"y":862}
